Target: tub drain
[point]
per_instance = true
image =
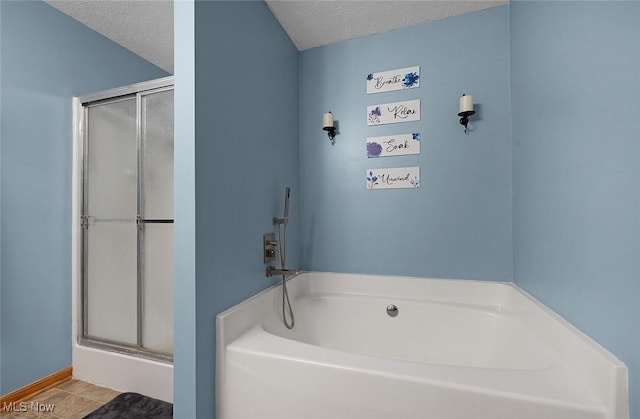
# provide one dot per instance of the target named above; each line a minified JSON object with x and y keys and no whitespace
{"x":392,"y":310}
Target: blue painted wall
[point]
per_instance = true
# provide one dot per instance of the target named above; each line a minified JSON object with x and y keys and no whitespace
{"x":47,"y":58}
{"x":576,"y":159}
{"x":246,"y":152}
{"x":458,"y":224}
{"x":184,"y":349}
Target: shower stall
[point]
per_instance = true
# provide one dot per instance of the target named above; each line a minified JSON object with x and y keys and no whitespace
{"x":123,"y":238}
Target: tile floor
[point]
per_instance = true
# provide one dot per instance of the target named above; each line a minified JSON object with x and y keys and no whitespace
{"x":71,"y":399}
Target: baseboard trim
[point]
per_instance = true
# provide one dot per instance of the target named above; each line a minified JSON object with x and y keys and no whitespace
{"x":34,"y":388}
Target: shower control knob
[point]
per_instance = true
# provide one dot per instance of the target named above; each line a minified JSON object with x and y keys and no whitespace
{"x":392,"y":310}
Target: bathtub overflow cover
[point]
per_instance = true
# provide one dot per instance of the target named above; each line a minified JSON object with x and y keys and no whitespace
{"x":392,"y":310}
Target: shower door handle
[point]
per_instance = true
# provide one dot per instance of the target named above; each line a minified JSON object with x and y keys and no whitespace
{"x":142,"y":221}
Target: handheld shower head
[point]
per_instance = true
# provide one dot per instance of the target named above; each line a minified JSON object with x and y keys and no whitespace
{"x":285,"y":218}
{"x":282,"y":240}
{"x":287,"y":193}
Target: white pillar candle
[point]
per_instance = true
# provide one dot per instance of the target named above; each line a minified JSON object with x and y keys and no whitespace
{"x":327,"y":120}
{"x":466,"y":103}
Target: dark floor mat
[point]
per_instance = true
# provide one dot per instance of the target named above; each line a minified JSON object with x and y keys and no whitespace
{"x":133,"y":406}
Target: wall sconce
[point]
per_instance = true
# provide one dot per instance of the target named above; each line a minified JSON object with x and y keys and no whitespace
{"x":327,"y":125}
{"x":466,"y":110}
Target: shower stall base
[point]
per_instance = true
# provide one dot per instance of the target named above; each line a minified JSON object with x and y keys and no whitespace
{"x":123,"y":372}
{"x":396,"y":347}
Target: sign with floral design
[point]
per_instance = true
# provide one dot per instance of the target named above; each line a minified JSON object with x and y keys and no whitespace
{"x":393,"y":178}
{"x":393,"y":113}
{"x":393,"y":145}
{"x":392,"y":80}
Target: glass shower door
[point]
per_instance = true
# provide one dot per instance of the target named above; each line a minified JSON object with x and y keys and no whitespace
{"x":127,"y":221}
{"x":110,"y":222}
{"x":156,"y":214}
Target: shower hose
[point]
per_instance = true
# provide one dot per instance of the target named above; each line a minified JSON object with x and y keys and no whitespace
{"x":286,"y":303}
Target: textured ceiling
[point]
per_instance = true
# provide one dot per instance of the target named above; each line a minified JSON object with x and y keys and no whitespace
{"x":145,"y":27}
{"x":314,"y":23}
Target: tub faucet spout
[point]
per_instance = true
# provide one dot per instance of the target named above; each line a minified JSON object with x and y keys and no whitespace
{"x":271,"y":271}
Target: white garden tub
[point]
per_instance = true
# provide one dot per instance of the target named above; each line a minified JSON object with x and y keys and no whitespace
{"x":456,"y":350}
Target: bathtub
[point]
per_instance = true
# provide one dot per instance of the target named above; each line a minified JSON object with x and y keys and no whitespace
{"x":456,"y":349}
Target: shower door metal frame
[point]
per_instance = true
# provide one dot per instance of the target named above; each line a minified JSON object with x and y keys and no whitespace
{"x":136,"y":91}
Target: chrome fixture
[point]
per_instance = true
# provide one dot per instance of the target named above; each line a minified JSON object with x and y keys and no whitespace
{"x":465,"y":111}
{"x":269,"y":244}
{"x":285,"y":217}
{"x":392,"y":310}
{"x":271,"y":247}
{"x":271,"y":271}
{"x":327,"y":125}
